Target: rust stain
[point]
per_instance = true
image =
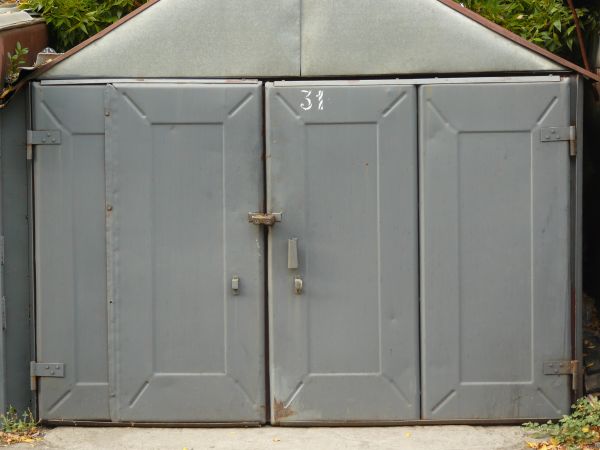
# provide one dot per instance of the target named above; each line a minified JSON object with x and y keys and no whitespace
{"x":281,"y":411}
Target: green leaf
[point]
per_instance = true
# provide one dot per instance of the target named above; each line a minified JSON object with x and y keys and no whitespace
{"x":557,"y":25}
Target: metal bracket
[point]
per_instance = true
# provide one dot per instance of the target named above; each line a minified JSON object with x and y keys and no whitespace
{"x":56,"y":370}
{"x":557,"y":134}
{"x":564,"y":368}
{"x":41,"y":137}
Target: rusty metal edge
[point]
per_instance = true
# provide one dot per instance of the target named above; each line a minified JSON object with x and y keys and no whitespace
{"x":518,"y":39}
{"x":108,"y":423}
{"x":416,"y":422}
{"x":357,"y":423}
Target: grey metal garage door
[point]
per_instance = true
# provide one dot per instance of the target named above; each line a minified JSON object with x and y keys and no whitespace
{"x":342,"y":170}
{"x":150,"y":281}
{"x":494,"y":249}
{"x":183,"y":168}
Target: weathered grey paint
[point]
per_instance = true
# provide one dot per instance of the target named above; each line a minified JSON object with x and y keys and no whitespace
{"x":345,"y":178}
{"x":16,"y":278}
{"x":183,"y":169}
{"x":196,"y":38}
{"x":375,"y":37}
{"x":495,"y":284}
{"x":283,"y":38}
{"x":70,"y":249}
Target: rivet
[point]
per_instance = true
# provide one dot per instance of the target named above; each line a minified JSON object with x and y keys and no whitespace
{"x":57,"y":367}
{"x":44,"y":140}
{"x":52,"y":372}
{"x":47,"y":367}
{"x":109,"y":208}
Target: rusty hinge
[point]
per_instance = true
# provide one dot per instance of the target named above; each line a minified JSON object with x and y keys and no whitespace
{"x":557,"y":134}
{"x":259,"y":218}
{"x":56,"y":370}
{"x":564,"y":368}
{"x":41,"y":137}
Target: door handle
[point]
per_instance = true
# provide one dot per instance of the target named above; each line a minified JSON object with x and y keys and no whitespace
{"x":298,"y":285}
{"x":293,"y":253}
{"x":235,"y":285}
{"x":260,"y":218}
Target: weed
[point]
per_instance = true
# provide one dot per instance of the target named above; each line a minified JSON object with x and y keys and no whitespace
{"x":15,"y":61}
{"x":578,"y":431}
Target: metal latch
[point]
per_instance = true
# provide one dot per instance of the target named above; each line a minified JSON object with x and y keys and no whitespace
{"x":41,"y":137}
{"x":564,"y":368}
{"x":556,"y":134}
{"x":259,"y":218}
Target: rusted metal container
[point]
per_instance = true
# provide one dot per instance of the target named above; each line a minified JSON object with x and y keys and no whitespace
{"x":18,"y":26}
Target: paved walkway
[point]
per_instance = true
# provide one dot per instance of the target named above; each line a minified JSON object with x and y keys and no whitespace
{"x":272,"y":438}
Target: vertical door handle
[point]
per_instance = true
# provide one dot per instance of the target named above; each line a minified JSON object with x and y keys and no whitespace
{"x":293,"y":253}
{"x":235,"y":285}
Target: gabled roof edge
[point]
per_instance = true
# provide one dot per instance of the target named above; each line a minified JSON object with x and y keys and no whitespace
{"x":449,"y":3}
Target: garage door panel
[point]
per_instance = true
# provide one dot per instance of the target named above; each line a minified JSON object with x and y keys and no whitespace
{"x":70,"y":253}
{"x":341,"y":165}
{"x":495,"y":251}
{"x":180,"y":187}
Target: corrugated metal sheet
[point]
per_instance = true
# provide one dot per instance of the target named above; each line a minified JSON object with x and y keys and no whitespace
{"x":252,"y":38}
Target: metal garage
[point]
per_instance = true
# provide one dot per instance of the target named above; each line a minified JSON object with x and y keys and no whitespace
{"x":306,"y":212}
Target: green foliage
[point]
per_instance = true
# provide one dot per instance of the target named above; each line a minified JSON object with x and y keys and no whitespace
{"x":573,"y":432}
{"x":11,"y":422}
{"x":547,"y":23}
{"x":15,"y":61}
{"x":15,"y":428}
{"x":72,"y":21}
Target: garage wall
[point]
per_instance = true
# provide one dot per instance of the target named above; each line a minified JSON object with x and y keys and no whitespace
{"x":15,"y":338}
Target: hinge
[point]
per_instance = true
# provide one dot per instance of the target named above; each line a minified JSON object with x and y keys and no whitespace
{"x":55,"y":370}
{"x":41,"y":137}
{"x":557,"y":134}
{"x":564,"y":368}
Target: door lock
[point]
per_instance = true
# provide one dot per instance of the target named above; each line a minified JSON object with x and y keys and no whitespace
{"x":259,"y":218}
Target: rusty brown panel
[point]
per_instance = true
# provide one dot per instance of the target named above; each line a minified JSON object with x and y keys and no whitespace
{"x":280,"y":411}
{"x":32,"y":36}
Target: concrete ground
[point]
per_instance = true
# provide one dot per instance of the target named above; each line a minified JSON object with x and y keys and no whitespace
{"x":272,"y":438}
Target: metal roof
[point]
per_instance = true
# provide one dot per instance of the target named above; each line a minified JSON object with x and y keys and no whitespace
{"x":302,"y":38}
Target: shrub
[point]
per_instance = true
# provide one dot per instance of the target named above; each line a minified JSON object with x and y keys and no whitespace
{"x":547,"y":23}
{"x":72,"y":21}
{"x":580,"y":430}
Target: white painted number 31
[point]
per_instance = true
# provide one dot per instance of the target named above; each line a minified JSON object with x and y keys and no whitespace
{"x":308,"y":103}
